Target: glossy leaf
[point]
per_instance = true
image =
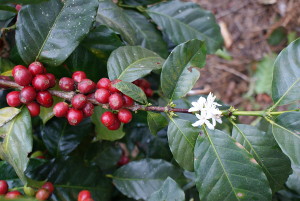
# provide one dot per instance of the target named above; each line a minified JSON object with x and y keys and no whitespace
{"x":139,"y":179}
{"x":50,"y":31}
{"x":102,"y":133}
{"x":70,"y":175}
{"x":60,"y":138}
{"x":293,"y":181}
{"x":169,"y":191}
{"x":156,"y":122}
{"x":147,"y":34}
{"x":5,"y":65}
{"x":113,"y":16}
{"x":286,"y":132}
{"x":226,"y":171}
{"x":177,"y":76}
{"x":17,"y":143}
{"x":22,"y":1}
{"x":101,"y":41}
{"x":130,"y":63}
{"x":266,"y":152}
{"x":182,"y":137}
{"x":7,"y":114}
{"x":133,"y":91}
{"x":140,"y":2}
{"x":183,"y":21}
{"x":286,"y":75}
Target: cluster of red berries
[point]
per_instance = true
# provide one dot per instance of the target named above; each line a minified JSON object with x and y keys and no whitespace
{"x":85,"y":195}
{"x":42,"y":194}
{"x":80,"y":106}
{"x":36,"y":82}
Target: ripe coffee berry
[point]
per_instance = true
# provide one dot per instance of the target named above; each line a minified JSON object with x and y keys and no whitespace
{"x":115,"y":126}
{"x":66,"y":84}
{"x":61,"y":109}
{"x":16,"y":68}
{"x":124,"y":116}
{"x":41,"y":82}
{"x":4,"y":78}
{"x":79,"y":101}
{"x":88,"y":109}
{"x":148,"y":92}
{"x":42,"y":194}
{"x":83,"y":195}
{"x":51,"y":78}
{"x":123,"y":160}
{"x":111,"y":86}
{"x":36,"y":68}
{"x":13,"y":194}
{"x":86,"y":86}
{"x":108,"y":118}
{"x":116,"y":101}
{"x":127,"y":101}
{"x":48,"y":186}
{"x":103,"y":83}
{"x":13,"y":99}
{"x":22,"y":76}
{"x":3,"y":187}
{"x":144,"y":83}
{"x":78,"y":76}
{"x":27,"y":94}
{"x":33,"y":108}
{"x":44,"y":98}
{"x":74,"y":116}
{"x":102,"y":95}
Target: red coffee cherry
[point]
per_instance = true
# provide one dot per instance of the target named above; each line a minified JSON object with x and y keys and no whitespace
{"x":34,"y":109}
{"x":108,"y":118}
{"x":22,"y":76}
{"x":66,"y":84}
{"x":148,"y":92}
{"x":116,"y":101}
{"x":3,"y":187}
{"x":83,"y":195}
{"x":102,"y":95}
{"x":52,"y":79}
{"x":16,"y":68}
{"x":123,"y":160}
{"x":127,"y":101}
{"x":13,"y":99}
{"x":103,"y":83}
{"x":61,"y":109}
{"x":42,"y":194}
{"x":4,"y":78}
{"x":86,"y":86}
{"x":111,"y":86}
{"x":144,"y":83}
{"x":44,"y":98}
{"x":48,"y":186}
{"x":74,"y":116}
{"x":136,"y":82}
{"x":18,"y":7}
{"x":115,"y":126}
{"x":41,"y":82}
{"x":79,"y":101}
{"x":88,"y":109}
{"x":78,"y":76}
{"x":36,"y":68}
{"x":124,"y":116}
{"x":13,"y":194}
{"x":27,"y":94}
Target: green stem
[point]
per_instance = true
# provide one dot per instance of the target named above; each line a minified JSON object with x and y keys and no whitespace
{"x":255,"y":113}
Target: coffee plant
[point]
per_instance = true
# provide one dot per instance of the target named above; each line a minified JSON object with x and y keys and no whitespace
{"x":94,"y":106}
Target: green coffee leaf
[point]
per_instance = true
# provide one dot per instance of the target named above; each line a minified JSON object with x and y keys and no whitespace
{"x":130,"y":63}
{"x":178,"y":75}
{"x":169,"y":191}
{"x":156,"y":122}
{"x":102,"y":133}
{"x":183,"y":21}
{"x":182,"y":137}
{"x":22,"y":1}
{"x":226,"y":171}
{"x":139,"y":179}
{"x":50,"y":31}
{"x":7,"y":114}
{"x":266,"y":152}
{"x":133,"y":91}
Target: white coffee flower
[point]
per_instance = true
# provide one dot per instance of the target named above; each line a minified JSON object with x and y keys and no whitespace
{"x":208,"y":111}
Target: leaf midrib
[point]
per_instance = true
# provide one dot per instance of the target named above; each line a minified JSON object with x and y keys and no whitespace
{"x":50,"y":31}
{"x":186,"y":138}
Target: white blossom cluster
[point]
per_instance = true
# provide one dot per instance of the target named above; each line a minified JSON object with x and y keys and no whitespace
{"x":207,"y":109}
